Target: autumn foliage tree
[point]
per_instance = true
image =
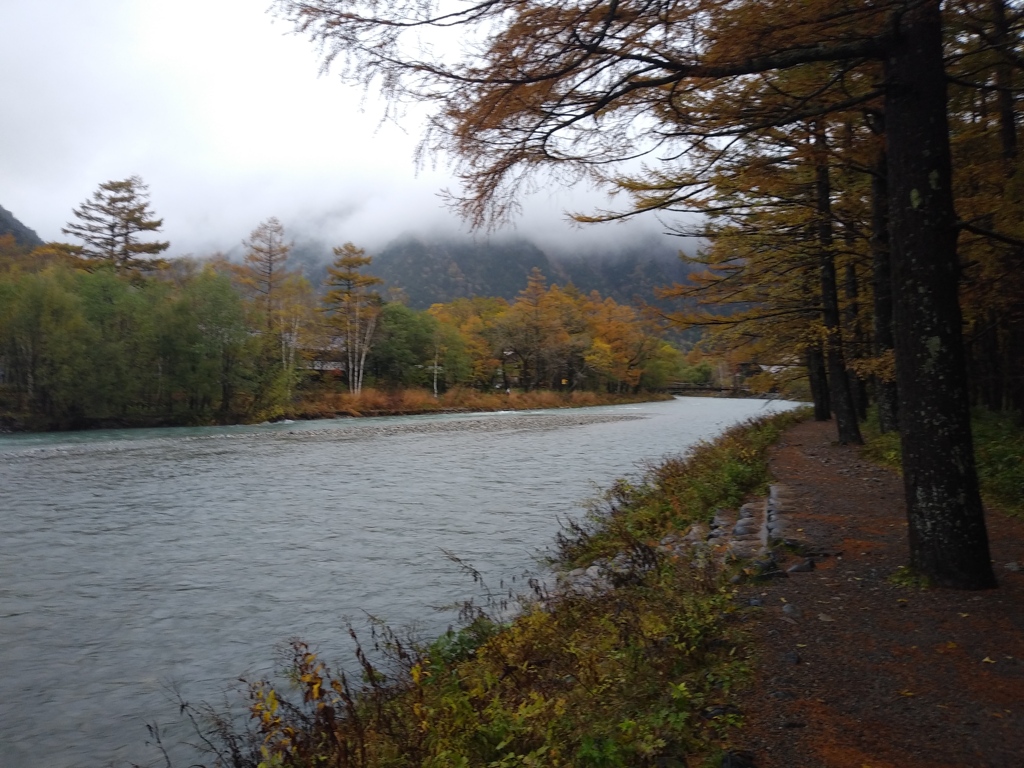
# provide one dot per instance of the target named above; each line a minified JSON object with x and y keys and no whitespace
{"x":353,"y":308}
{"x":984,"y":65}
{"x":554,"y":337}
{"x":472,"y":319}
{"x":264,"y":268}
{"x":579,"y":89}
{"x":282,"y":310}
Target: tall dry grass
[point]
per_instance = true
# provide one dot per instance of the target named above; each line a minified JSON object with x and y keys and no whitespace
{"x":377,"y":402}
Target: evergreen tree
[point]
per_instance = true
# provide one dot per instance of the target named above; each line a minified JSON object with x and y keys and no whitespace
{"x":110,"y":222}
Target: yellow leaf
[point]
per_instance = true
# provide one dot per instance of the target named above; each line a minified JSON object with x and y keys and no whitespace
{"x":987,"y":660}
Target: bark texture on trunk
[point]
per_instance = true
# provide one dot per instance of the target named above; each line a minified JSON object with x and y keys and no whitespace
{"x":1004,"y":84}
{"x":948,"y":538}
{"x":886,"y":394}
{"x":851,"y":288}
{"x":840,"y":391}
{"x":818,"y":378}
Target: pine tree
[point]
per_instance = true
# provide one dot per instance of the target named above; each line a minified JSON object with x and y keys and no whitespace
{"x":109,"y":224}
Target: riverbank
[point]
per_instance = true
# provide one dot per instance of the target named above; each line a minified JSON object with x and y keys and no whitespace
{"x":368,"y":403}
{"x":654,"y":655}
{"x":139,"y":557}
{"x":408,"y":402}
{"x":639,"y":670}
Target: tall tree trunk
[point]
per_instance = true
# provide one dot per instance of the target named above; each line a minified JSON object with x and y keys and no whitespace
{"x":851,"y":289}
{"x":1007,"y":385}
{"x":840,"y":391}
{"x":437,"y":353}
{"x":1013,"y":368}
{"x":948,"y":539}
{"x":985,"y":360}
{"x":817,"y":375}
{"x":886,"y":393}
{"x":364,"y":349}
{"x":1004,"y":85}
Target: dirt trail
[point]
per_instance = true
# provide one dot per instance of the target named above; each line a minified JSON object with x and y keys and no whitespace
{"x":862,"y":672}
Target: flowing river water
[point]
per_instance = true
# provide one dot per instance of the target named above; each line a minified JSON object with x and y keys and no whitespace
{"x":135,"y":561}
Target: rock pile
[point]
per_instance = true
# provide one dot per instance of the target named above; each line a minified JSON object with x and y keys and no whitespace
{"x":746,"y":535}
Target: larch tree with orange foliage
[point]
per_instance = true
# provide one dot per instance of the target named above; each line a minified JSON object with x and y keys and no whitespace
{"x":353,"y":308}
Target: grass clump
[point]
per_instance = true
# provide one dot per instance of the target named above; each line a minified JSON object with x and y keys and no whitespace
{"x":678,"y":492}
{"x":636,"y":675}
{"x":998,"y":454}
{"x":905,"y":576}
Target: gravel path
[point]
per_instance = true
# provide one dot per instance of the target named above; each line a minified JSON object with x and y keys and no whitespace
{"x":856,"y":671}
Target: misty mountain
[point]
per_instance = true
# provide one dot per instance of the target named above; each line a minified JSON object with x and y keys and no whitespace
{"x":22,"y":234}
{"x":429,"y":271}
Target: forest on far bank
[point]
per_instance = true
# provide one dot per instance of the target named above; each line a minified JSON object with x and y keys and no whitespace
{"x":97,"y":339}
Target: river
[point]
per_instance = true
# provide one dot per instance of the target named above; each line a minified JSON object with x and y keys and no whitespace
{"x":134,"y":561}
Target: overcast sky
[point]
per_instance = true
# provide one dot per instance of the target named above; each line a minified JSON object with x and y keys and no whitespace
{"x":221,"y":110}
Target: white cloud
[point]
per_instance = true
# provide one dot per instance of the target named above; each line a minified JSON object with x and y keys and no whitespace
{"x":221,"y":110}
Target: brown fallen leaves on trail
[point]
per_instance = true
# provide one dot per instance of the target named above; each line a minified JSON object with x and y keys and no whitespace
{"x":902,"y":677}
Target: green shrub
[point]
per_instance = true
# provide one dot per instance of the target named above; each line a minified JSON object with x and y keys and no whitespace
{"x":998,"y":454}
